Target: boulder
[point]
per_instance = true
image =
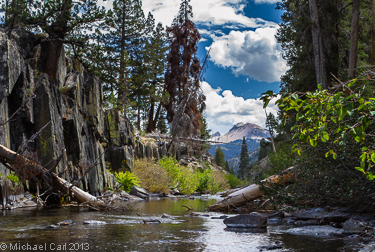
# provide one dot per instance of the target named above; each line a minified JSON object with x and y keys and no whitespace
{"x":139,"y":192}
{"x":321,"y":214}
{"x":253,"y":220}
{"x":357,"y":224}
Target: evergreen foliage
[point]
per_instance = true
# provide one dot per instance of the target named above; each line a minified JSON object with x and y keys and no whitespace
{"x":244,"y":159}
{"x":219,"y":157}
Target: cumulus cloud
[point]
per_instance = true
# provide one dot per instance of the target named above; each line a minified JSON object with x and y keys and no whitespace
{"x":225,"y":109}
{"x":252,"y":53}
{"x":266,"y":1}
{"x":209,"y":12}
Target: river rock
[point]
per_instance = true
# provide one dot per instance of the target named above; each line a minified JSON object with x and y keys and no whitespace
{"x":94,"y":222}
{"x":151,"y":221}
{"x":253,"y":220}
{"x":65,"y":223}
{"x":357,"y":224}
{"x":368,"y":248}
{"x":166,"y":216}
{"x":316,"y":231}
{"x":321,"y":214}
{"x":139,"y":192}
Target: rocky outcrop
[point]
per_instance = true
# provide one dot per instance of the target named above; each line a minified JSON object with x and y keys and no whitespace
{"x":69,"y":103}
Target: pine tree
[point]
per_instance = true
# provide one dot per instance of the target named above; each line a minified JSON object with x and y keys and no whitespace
{"x":126,"y":27}
{"x":182,"y":78}
{"x":219,"y":157}
{"x":156,"y":50}
{"x":244,"y":159}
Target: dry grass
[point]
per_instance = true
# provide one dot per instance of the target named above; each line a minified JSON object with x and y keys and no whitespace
{"x":154,"y":178}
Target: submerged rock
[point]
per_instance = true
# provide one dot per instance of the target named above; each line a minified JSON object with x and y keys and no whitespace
{"x":65,"y":223}
{"x":166,"y":216}
{"x":253,"y":220}
{"x":94,"y":222}
{"x":316,"y":231}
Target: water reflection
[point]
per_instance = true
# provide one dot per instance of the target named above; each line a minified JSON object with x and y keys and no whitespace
{"x":126,"y":231}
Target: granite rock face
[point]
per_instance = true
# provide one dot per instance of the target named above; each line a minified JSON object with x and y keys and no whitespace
{"x":69,"y":103}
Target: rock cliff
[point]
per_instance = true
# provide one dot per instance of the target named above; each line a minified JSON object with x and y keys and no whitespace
{"x":70,"y":102}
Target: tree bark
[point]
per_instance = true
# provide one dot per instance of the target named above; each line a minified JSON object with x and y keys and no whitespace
{"x":9,"y":157}
{"x":373,"y":34}
{"x":353,"y":53}
{"x":317,"y":45}
{"x":253,"y":191}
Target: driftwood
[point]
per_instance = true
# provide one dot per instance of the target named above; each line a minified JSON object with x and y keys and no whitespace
{"x":253,"y":191}
{"x":12,"y":160}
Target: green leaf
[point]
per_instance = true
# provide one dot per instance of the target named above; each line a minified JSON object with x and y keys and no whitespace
{"x":334,"y":156}
{"x":358,"y":139}
{"x":352,"y":82}
{"x":373,"y":157}
{"x":313,"y":142}
{"x":295,"y":96}
{"x":360,"y":169}
{"x":299,"y":152}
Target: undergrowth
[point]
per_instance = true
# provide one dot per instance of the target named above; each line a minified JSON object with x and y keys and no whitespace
{"x":168,"y":174}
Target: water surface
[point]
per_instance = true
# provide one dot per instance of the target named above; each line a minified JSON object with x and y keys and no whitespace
{"x":125,"y":231}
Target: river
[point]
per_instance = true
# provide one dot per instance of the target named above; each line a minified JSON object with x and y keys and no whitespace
{"x":25,"y":230}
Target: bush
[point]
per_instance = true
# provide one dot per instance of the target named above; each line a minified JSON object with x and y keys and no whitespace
{"x":233,"y":181}
{"x":153,"y":176}
{"x":187,"y":181}
{"x":127,"y":180}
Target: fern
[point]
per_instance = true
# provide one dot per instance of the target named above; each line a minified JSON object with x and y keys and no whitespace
{"x":127,"y":180}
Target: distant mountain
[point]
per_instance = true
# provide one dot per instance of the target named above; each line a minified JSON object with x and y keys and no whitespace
{"x":249,"y":131}
{"x":232,"y":140}
{"x":217,"y":134}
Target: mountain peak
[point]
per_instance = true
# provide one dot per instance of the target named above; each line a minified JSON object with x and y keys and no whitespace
{"x":240,"y":130}
{"x":237,"y":126}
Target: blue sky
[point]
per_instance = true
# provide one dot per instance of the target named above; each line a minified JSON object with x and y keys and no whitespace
{"x":245,"y":59}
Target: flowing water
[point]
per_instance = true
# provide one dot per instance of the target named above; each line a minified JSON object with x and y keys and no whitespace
{"x":25,"y":230}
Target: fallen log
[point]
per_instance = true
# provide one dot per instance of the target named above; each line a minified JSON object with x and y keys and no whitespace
{"x":13,"y":160}
{"x":253,"y":191}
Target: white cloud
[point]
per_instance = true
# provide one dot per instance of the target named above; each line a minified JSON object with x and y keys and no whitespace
{"x":266,"y":1}
{"x":215,"y":12}
{"x":252,"y":53}
{"x":225,"y":110}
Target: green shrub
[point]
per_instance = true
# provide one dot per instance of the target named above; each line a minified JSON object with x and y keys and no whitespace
{"x":234,"y":181}
{"x":188,"y":181}
{"x":13,"y":177}
{"x":127,"y":180}
{"x":1,"y":175}
{"x":153,"y":176}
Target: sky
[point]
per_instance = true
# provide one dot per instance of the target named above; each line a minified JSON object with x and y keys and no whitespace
{"x":244,"y":61}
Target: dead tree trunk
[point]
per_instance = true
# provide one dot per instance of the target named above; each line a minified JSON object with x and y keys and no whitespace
{"x":354,"y":39}
{"x":253,"y":191}
{"x":317,"y":45}
{"x":11,"y":159}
